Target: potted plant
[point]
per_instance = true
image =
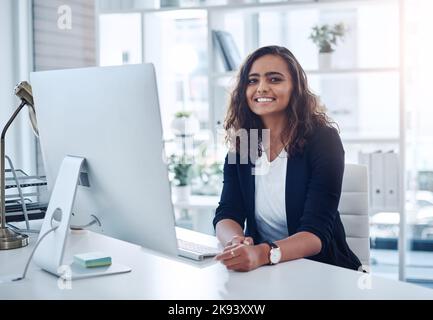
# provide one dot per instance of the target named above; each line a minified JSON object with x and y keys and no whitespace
{"x":325,"y":38}
{"x":180,"y":168}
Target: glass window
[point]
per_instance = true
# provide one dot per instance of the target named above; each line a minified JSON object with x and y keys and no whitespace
{"x":419,"y":160}
{"x":176,"y":42}
{"x":119,"y":39}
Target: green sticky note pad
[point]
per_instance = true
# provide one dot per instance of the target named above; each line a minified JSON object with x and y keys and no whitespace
{"x":92,"y":259}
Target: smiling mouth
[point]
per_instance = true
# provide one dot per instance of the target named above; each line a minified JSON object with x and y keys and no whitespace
{"x":264,"y":100}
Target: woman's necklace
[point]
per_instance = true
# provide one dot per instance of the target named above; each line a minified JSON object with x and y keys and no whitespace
{"x":274,"y":152}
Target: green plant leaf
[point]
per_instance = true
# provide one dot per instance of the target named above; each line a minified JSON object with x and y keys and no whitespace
{"x":183,"y":114}
{"x":325,"y":37}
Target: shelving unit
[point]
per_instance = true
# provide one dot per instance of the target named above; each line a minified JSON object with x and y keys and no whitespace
{"x":23,"y":205}
{"x":240,"y":18}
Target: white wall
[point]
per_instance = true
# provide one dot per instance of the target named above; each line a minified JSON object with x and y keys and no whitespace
{"x":15,"y":64}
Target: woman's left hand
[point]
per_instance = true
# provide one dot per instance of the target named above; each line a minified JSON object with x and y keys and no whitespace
{"x":241,"y":257}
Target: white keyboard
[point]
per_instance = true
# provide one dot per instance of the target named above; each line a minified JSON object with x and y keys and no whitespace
{"x":195,"y":251}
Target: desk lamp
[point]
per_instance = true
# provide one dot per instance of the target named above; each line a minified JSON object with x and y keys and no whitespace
{"x":10,"y":239}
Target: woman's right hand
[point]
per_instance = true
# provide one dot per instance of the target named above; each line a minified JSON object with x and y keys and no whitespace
{"x":240,"y":240}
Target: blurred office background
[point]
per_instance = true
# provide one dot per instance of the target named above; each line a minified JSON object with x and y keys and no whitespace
{"x":376,"y":86}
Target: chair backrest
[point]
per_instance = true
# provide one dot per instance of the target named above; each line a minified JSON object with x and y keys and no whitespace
{"x":353,"y":210}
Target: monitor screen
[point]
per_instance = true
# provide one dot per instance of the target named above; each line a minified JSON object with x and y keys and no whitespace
{"x":110,"y":116}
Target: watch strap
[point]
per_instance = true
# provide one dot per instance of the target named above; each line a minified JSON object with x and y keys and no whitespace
{"x":271,"y":244}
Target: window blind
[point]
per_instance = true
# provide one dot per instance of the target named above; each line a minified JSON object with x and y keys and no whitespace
{"x":59,"y":48}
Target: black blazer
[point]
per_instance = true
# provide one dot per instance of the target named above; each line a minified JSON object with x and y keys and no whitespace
{"x":313,"y":188}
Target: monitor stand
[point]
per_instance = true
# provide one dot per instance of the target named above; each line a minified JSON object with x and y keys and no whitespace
{"x":49,"y":254}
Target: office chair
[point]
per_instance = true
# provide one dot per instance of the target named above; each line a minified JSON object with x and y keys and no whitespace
{"x":353,"y":210}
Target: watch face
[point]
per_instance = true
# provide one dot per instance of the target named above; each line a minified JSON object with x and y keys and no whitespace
{"x":275,"y":255}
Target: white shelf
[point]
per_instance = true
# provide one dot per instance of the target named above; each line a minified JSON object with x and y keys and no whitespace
{"x":232,"y":74}
{"x":370,"y":140}
{"x":197,"y":203}
{"x":254,"y":6}
{"x":228,"y":74}
{"x":352,"y":70}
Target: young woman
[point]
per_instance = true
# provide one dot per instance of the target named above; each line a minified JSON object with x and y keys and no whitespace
{"x":291,"y":209}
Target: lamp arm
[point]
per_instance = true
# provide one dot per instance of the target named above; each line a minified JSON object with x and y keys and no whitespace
{"x":23,"y":103}
{"x":2,"y":166}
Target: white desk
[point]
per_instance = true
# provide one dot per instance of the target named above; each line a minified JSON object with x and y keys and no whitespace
{"x":198,"y":203}
{"x":155,"y":276}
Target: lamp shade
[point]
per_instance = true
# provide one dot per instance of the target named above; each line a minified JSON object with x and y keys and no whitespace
{"x":23,"y":90}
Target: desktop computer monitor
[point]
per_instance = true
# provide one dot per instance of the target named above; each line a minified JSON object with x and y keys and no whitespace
{"x":110,"y":116}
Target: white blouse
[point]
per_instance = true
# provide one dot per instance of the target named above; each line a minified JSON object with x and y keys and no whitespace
{"x":270,"y":197}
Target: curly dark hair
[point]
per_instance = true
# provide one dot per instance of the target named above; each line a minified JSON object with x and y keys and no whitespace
{"x":304,"y":112}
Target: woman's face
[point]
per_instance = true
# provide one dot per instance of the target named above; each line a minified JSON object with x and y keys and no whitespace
{"x":269,"y":86}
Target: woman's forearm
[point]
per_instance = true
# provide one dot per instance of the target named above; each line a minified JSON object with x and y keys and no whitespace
{"x":226,"y":229}
{"x":300,"y":245}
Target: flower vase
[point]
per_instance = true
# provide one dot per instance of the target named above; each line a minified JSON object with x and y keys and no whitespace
{"x":325,"y":60}
{"x":182,"y":193}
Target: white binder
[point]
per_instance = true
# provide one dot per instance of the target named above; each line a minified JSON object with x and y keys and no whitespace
{"x":364,"y":158}
{"x":377,"y":194}
{"x":391,"y":174}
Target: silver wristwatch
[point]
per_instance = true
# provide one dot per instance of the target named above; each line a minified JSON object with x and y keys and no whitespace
{"x":274,"y":253}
